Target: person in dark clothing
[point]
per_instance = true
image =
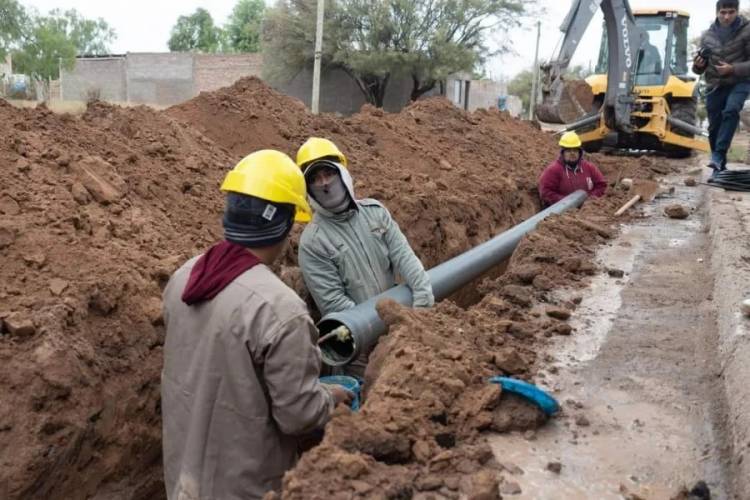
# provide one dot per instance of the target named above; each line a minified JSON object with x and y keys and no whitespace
{"x":726,"y":66}
{"x":649,"y":62}
{"x":569,"y":173}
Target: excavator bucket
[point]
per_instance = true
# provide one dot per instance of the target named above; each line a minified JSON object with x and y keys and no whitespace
{"x":565,"y":101}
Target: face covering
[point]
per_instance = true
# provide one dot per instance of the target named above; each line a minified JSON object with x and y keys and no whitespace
{"x":574,"y":163}
{"x":331,"y":196}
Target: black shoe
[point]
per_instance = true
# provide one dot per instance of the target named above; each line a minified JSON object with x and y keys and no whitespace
{"x":714,"y":166}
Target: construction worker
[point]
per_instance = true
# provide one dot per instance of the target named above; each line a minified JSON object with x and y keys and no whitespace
{"x":569,"y":173}
{"x":352,"y":249}
{"x":241,"y":365}
{"x":724,"y":58}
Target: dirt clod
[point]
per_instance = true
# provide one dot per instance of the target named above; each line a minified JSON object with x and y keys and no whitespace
{"x":700,"y":491}
{"x":19,"y":325}
{"x":23,"y":165}
{"x":9,"y":206}
{"x":510,"y":488}
{"x":519,"y":295}
{"x":80,"y":193}
{"x":677,"y":211}
{"x":555,"y":467}
{"x":100,"y":179}
{"x":35,"y":259}
{"x":483,"y":486}
{"x":429,"y":483}
{"x":691,"y":182}
{"x":527,"y":274}
{"x":7,"y":237}
{"x":57,"y":286}
{"x":558,"y":313}
{"x":542,"y":282}
{"x":509,"y":360}
{"x":582,"y":421}
{"x":616,"y":273}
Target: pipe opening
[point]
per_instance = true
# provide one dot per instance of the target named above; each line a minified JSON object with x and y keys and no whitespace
{"x":334,"y":351}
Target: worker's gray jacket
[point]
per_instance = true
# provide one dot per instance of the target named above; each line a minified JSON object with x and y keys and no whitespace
{"x":735,"y":52}
{"x":240,"y":378}
{"x":349,"y":257}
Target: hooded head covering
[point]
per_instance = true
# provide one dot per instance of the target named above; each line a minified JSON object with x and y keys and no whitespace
{"x":337,"y":195}
{"x":256,"y":223}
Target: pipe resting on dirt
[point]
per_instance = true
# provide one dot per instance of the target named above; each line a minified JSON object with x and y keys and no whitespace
{"x":366,"y":326}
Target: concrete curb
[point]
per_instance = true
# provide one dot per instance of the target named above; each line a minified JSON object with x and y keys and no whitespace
{"x":729,"y":222}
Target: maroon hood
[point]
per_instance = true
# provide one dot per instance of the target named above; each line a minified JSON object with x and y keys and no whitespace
{"x":216,"y":269}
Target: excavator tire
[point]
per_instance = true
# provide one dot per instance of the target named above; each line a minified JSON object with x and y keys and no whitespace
{"x":687,"y":111}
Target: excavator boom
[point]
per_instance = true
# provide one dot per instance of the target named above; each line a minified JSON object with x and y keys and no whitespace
{"x":563,"y":102}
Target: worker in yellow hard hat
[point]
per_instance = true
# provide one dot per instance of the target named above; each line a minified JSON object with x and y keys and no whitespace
{"x":570,"y":172}
{"x":353,"y":249}
{"x":241,"y":365}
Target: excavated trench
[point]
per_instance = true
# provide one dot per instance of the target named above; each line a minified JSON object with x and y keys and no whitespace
{"x":99,"y":210}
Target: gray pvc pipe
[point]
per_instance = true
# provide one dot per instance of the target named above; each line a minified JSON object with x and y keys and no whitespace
{"x":366,"y":326}
{"x":582,"y":123}
{"x":687,"y":127}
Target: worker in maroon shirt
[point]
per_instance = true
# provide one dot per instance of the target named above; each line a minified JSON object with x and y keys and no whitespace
{"x":569,"y":173}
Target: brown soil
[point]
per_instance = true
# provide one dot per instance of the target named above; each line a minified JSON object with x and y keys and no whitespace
{"x":677,"y":211}
{"x":98,"y":210}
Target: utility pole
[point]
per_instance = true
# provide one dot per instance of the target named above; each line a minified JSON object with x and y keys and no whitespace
{"x":535,"y":75}
{"x":318,"y":56}
{"x":59,"y":78}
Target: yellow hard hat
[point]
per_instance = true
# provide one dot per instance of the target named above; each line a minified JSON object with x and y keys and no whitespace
{"x":270,"y":175}
{"x":316,"y":148}
{"x":570,"y":140}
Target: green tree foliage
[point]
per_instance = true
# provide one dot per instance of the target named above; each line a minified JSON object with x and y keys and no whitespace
{"x":40,"y":45}
{"x":45,"y":50}
{"x":13,"y":19}
{"x":520,"y":86}
{"x":243,"y":28}
{"x":196,"y":33}
{"x":90,"y":36}
{"x":373,"y":41}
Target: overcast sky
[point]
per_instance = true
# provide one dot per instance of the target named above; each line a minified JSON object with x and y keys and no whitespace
{"x":143,"y":26}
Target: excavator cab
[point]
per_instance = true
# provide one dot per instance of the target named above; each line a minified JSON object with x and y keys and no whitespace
{"x":663,"y":51}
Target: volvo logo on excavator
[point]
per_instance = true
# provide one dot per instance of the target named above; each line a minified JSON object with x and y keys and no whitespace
{"x":626,"y":42}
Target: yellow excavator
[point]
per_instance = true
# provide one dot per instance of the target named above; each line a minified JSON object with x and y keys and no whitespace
{"x":642,"y":96}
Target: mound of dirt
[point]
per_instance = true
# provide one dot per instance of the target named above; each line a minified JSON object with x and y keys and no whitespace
{"x":98,"y":210}
{"x":452,"y":179}
{"x":106,"y":206}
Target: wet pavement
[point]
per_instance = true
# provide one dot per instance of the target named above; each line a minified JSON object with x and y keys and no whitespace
{"x":638,"y":380}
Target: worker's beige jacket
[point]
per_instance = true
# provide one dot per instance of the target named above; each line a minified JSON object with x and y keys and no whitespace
{"x":240,"y":379}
